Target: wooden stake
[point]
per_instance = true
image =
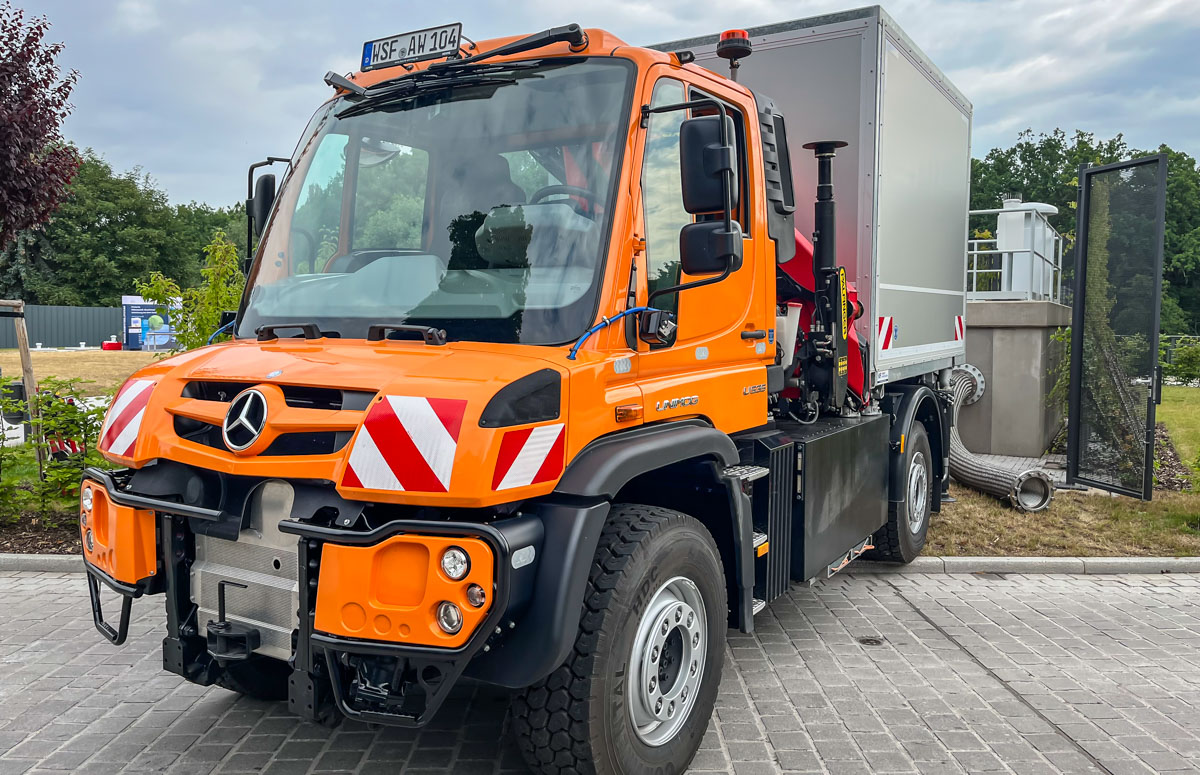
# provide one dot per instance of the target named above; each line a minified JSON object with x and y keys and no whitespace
{"x":17,"y":309}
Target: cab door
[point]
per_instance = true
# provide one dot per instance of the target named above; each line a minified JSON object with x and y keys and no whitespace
{"x":715,"y":366}
{"x":1115,"y":378}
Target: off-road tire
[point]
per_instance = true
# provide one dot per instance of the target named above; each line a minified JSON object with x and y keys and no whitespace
{"x":261,"y":678}
{"x":577,"y":720}
{"x":895,"y":542}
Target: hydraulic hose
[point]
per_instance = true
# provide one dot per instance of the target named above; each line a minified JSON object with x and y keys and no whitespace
{"x":1029,"y":491}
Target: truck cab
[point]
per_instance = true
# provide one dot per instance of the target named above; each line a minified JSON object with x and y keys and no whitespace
{"x":519,"y":390}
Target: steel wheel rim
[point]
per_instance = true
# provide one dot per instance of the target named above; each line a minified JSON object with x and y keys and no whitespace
{"x":918,"y":492}
{"x":667,"y":662}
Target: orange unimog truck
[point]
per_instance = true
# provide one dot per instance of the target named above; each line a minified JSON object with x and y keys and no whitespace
{"x":536,"y":383}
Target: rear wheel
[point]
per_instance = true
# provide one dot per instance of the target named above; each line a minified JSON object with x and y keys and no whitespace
{"x":638,"y":689}
{"x":903,"y":537}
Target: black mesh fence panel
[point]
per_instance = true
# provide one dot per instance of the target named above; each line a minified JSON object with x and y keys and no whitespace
{"x":1118,"y":293}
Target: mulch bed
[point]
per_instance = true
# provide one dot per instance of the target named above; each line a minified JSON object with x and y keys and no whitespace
{"x":1171,"y":473}
{"x":30,"y":536}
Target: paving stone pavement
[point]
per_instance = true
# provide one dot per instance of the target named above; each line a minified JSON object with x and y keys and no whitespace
{"x":897,"y":673}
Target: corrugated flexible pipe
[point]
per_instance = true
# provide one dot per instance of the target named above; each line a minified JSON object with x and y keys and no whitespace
{"x":1029,"y":491}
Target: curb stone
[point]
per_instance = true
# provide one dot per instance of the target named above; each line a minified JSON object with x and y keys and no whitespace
{"x":1060,"y":565}
{"x":73,"y":563}
{"x":46,"y":563}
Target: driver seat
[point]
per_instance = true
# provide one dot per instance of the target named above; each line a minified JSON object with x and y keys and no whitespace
{"x":475,"y":184}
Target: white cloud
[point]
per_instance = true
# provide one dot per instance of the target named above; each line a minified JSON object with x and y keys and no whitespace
{"x":136,"y":16}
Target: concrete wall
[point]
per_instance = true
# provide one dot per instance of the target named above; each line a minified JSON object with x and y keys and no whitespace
{"x":1009,"y":341}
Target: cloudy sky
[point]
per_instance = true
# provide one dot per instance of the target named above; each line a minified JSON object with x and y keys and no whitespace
{"x":192,"y":91}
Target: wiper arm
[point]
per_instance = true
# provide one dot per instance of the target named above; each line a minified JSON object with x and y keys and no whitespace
{"x":571,"y":33}
{"x":404,"y":90}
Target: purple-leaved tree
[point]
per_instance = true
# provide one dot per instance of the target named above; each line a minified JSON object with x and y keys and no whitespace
{"x":36,"y":164}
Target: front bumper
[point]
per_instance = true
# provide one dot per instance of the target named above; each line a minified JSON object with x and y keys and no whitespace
{"x":366,"y":672}
{"x":403,"y":684}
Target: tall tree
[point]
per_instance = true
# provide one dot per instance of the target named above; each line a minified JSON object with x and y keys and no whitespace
{"x":1045,"y":168}
{"x":111,"y":228}
{"x":35,"y":163}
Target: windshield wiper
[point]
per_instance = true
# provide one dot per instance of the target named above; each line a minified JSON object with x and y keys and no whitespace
{"x":572,"y":33}
{"x":408,"y":88}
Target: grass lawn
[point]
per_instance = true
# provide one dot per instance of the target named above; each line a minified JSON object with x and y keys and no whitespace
{"x":1076,"y":525}
{"x":107,"y":370}
{"x":1180,"y":411}
{"x":1092,"y":524}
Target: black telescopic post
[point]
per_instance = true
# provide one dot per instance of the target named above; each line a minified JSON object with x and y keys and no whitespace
{"x":827,"y":278}
{"x":824,"y":221}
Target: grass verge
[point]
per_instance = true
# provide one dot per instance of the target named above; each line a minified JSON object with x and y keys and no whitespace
{"x":1076,"y":525}
{"x":105,"y":369}
{"x":1180,"y":412}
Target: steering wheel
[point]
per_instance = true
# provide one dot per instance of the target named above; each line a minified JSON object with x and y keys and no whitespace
{"x":583,"y":193}
{"x":310,"y":255}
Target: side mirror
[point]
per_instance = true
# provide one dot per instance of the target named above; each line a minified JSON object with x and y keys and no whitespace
{"x":703,"y":161}
{"x":260,"y":204}
{"x":707,"y":248}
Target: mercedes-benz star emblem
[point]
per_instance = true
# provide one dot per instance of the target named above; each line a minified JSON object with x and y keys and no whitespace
{"x":245,"y":420}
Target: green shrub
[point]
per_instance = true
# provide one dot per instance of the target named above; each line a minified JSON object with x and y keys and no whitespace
{"x":1185,"y":362}
{"x":50,"y":489}
{"x":195,"y":313}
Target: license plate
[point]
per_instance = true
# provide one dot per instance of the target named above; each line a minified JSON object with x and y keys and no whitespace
{"x":415,"y":46}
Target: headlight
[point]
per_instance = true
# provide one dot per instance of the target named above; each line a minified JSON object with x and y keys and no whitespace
{"x":476,"y":596}
{"x":449,"y":617}
{"x":87,"y":498}
{"x":89,"y":541}
{"x":455,"y":563}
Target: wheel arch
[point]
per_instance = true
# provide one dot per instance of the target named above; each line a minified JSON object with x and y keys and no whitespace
{"x":910,"y":403}
{"x":678,"y":465}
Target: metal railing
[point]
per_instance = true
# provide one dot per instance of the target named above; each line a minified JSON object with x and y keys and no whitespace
{"x":1032,"y":272}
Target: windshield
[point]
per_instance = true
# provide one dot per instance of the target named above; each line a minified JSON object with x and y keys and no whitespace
{"x":481,"y":206}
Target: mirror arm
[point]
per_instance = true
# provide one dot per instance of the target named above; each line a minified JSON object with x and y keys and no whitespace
{"x":688,"y":286}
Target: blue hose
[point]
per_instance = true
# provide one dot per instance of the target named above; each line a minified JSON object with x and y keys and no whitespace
{"x":604,"y":323}
{"x":221,"y":330}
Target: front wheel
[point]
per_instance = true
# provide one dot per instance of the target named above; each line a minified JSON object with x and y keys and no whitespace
{"x":639,"y":687}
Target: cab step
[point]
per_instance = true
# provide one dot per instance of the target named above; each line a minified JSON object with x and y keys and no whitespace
{"x":758,"y":606}
{"x":746,"y":473}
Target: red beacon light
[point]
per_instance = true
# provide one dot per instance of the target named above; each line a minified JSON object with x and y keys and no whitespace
{"x":734,"y":45}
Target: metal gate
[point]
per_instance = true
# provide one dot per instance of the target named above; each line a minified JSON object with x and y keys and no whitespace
{"x":1115,"y":377}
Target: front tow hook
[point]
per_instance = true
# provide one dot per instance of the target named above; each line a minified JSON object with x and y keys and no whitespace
{"x":229,"y":641}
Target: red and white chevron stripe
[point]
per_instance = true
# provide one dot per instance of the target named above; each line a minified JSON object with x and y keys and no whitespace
{"x":124,"y":419}
{"x":960,"y":329}
{"x":530,"y":456}
{"x":406,"y":443}
{"x":886,"y":333}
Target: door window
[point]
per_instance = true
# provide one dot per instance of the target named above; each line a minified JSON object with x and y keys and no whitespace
{"x":662,"y":193}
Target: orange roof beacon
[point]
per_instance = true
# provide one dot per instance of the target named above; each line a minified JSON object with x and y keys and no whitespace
{"x":536,"y":380}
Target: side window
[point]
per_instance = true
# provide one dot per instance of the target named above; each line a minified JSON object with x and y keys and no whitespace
{"x":390,"y":196}
{"x":662,"y":193}
{"x":316,"y":227}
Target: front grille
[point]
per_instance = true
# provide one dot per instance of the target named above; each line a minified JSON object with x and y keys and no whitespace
{"x":319,"y":443}
{"x":295,"y":396}
{"x":298,"y":396}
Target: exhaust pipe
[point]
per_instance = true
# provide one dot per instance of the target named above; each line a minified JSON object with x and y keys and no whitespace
{"x":1029,"y":491}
